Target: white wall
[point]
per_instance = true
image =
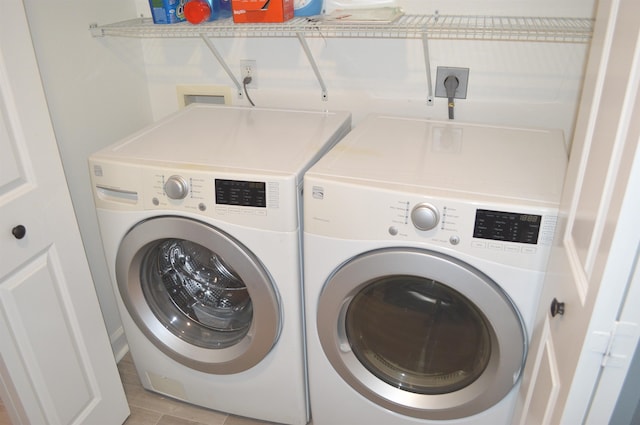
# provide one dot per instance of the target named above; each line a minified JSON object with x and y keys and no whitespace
{"x":516,"y":83}
{"x":100,"y":89}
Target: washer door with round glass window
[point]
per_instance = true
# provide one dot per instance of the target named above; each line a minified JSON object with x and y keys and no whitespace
{"x":421,"y":333}
{"x":198,"y":294}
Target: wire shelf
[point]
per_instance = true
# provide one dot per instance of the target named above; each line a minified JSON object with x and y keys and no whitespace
{"x":505,"y":28}
{"x":511,"y":28}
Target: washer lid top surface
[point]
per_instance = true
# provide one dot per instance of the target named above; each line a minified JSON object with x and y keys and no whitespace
{"x":517,"y":163}
{"x":228,"y":137}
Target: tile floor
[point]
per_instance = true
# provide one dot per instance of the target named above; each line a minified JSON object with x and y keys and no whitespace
{"x":4,"y":416}
{"x":148,"y":408}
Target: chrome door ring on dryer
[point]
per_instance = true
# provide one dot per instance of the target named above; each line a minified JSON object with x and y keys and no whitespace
{"x":421,"y":333}
{"x":198,"y":294}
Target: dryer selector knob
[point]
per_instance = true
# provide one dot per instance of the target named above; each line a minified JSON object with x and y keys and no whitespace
{"x":425,"y":216}
{"x":176,"y":187}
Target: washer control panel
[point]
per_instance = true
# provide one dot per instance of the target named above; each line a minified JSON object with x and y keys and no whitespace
{"x":268,"y":202}
{"x":241,"y":193}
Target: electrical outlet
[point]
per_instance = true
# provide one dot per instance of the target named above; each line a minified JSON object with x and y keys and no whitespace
{"x":463,"y":80}
{"x":248,"y":68}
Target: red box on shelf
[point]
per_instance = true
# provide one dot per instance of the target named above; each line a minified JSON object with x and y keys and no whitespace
{"x":259,"y":11}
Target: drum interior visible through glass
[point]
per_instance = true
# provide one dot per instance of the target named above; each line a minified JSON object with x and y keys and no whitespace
{"x":417,"y":334}
{"x":195,"y":294}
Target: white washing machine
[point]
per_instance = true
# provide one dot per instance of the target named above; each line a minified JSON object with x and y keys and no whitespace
{"x":200,"y":220}
{"x":425,"y":245}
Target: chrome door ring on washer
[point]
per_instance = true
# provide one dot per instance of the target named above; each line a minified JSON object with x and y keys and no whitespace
{"x":222,"y":333}
{"x":398,"y":287}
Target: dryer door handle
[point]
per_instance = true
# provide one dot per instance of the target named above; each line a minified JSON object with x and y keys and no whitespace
{"x":557,"y":307}
{"x":19,"y":231}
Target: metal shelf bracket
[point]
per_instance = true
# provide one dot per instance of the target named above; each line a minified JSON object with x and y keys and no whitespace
{"x":314,"y":66}
{"x":95,"y":30}
{"x":427,"y":66}
{"x":222,"y":62}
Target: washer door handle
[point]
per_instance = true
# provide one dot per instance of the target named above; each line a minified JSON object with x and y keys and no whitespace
{"x":557,"y":307}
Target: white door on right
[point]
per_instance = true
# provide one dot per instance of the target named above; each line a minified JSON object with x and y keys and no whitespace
{"x":598,"y":233}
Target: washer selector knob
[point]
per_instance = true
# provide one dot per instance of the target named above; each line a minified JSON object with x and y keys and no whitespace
{"x":176,"y":187}
{"x":425,"y":216}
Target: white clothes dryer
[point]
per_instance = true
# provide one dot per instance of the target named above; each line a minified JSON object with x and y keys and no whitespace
{"x":425,"y":245}
{"x":201,"y":224}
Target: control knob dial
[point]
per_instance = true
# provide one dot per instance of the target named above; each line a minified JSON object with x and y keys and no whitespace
{"x":425,"y":216}
{"x":176,"y":187}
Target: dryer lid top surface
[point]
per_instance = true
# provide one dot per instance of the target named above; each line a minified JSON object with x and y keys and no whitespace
{"x":471,"y":159}
{"x":228,"y":137}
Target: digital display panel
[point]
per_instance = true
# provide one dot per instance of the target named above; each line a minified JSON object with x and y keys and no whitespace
{"x":507,"y":226}
{"x":241,"y":193}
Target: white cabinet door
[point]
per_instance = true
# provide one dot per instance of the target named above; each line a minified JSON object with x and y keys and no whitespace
{"x":598,"y":234}
{"x":56,"y":364}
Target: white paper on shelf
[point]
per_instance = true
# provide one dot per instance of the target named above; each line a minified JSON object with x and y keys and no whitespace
{"x":332,"y":5}
{"x":377,"y":14}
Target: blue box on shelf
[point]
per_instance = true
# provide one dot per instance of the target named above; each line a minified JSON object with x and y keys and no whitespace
{"x":167,"y":11}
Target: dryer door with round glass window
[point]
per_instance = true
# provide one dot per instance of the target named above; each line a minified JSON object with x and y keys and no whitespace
{"x":198,"y":294}
{"x":421,"y":333}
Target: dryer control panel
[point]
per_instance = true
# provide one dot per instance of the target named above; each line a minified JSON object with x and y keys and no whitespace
{"x":520,"y":235}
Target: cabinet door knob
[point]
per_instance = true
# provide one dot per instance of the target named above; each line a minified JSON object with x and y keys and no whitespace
{"x":557,"y":308}
{"x":19,"y":231}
